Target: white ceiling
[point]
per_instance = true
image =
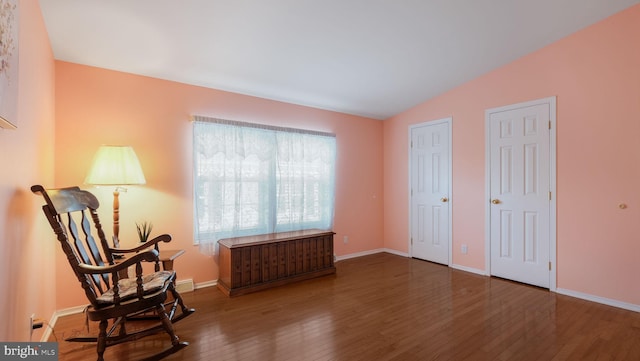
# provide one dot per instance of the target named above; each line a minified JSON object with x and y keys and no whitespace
{"x":374,"y":58}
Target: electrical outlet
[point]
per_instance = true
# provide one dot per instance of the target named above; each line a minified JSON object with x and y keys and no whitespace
{"x":464,"y":249}
{"x":31,"y":318}
{"x":345,"y":239}
{"x":34,"y":324}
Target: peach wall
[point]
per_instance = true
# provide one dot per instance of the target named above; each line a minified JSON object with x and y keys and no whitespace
{"x":98,"y":106}
{"x":27,"y":277}
{"x":595,"y":74}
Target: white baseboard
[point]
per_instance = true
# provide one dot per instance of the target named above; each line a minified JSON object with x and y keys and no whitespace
{"x":54,"y":318}
{"x":469,"y":269}
{"x":370,"y":252}
{"x":68,"y":311}
{"x":359,"y":254}
{"x":49,"y":330}
{"x":598,"y":299}
{"x":397,"y":253}
{"x":200,"y":285}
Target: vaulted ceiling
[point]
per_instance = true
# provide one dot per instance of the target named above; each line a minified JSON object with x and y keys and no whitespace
{"x":374,"y":58}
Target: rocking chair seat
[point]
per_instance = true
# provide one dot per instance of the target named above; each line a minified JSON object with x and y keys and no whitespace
{"x":128,"y":287}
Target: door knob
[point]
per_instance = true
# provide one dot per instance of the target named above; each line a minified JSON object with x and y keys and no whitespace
{"x":495,"y":201}
{"x":444,"y":199}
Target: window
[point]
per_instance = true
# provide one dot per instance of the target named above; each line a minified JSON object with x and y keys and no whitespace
{"x":254,"y":179}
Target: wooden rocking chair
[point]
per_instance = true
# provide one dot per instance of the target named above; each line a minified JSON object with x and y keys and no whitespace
{"x":70,"y":212}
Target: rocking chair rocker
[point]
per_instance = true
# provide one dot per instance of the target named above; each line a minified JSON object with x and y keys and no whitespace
{"x":111,"y":297}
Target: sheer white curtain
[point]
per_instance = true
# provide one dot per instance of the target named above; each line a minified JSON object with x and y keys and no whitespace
{"x":254,"y":179}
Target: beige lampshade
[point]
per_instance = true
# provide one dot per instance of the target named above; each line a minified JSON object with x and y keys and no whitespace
{"x":115,"y":165}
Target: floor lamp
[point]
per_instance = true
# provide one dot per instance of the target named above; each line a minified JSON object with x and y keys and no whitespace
{"x":118,"y":166}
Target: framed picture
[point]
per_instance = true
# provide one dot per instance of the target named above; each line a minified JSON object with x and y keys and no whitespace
{"x":9,"y":42}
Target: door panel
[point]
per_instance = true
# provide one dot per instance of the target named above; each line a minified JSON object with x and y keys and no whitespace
{"x":429,"y":177}
{"x":519,"y":190}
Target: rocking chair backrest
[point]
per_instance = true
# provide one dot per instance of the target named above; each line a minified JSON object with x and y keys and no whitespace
{"x":68,"y":211}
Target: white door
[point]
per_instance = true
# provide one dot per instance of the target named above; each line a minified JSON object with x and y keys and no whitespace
{"x":430,"y":172}
{"x":520,"y":193}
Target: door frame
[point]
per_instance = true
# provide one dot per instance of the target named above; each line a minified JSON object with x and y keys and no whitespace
{"x":449,"y":121}
{"x":551,"y":101}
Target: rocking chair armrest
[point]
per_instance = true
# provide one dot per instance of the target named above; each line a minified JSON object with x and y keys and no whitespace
{"x":148,"y":256}
{"x":143,"y":246}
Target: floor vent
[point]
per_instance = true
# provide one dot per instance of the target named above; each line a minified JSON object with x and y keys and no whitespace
{"x":183,"y":286}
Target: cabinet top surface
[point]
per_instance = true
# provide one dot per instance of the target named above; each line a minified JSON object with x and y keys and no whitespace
{"x":271,"y":237}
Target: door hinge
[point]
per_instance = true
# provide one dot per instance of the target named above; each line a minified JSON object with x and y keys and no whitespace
{"x":549,"y":266}
{"x":412,"y":241}
{"x":549,"y":124}
{"x":412,"y":192}
{"x":549,"y":195}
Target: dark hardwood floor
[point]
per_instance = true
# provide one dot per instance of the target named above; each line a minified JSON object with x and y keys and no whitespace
{"x":386,"y":307}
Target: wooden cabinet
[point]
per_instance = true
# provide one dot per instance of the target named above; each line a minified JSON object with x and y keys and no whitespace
{"x":253,"y":263}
